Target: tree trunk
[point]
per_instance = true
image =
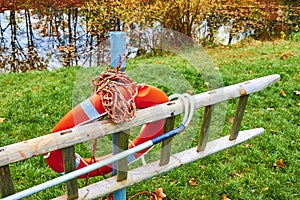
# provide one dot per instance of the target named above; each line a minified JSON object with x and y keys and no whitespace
{"x":13,"y":27}
{"x":70,"y":46}
{"x":75,"y":19}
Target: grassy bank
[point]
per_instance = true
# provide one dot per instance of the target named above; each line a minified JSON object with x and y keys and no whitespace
{"x":267,"y":167}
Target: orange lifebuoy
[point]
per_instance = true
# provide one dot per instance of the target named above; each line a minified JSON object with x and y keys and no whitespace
{"x":146,"y":96}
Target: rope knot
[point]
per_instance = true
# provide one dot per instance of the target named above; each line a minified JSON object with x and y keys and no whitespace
{"x":117,"y":93}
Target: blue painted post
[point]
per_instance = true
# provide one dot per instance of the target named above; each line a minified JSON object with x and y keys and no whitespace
{"x":118,"y":49}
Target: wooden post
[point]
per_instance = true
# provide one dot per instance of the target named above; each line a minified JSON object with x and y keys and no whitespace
{"x":122,"y":165}
{"x":238,"y":117}
{"x":68,"y":155}
{"x":208,"y":112}
{"x":165,"y":151}
{"x":6,"y":183}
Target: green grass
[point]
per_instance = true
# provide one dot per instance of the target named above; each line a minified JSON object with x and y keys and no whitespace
{"x":32,"y":103}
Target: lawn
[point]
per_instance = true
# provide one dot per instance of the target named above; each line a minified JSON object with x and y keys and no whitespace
{"x":267,"y":167}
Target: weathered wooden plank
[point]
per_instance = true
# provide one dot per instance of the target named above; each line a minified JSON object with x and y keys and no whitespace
{"x":6,"y":183}
{"x":165,"y":151}
{"x":150,"y":170}
{"x":205,"y":127}
{"x":68,"y":155}
{"x":122,"y":165}
{"x":238,"y":117}
{"x":29,"y":148}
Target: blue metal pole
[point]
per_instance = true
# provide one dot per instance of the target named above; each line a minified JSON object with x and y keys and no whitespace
{"x":117,"y":51}
{"x":118,"y":48}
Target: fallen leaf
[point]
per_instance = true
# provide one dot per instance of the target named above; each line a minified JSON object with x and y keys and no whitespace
{"x":201,"y":167}
{"x":248,"y":145}
{"x":110,"y":197}
{"x":190,"y":92}
{"x":6,"y":82}
{"x":286,"y":56}
{"x":158,"y":62}
{"x":231,"y":119}
{"x":217,"y":68}
{"x":192,"y":182}
{"x":297,"y":93}
{"x":282,"y":92}
{"x":266,"y":188}
{"x":2,"y":119}
{"x":19,"y":94}
{"x":159,"y":192}
{"x":235,"y":174}
{"x":36,"y":88}
{"x":225,"y":197}
{"x":281,"y":164}
{"x":271,"y":109}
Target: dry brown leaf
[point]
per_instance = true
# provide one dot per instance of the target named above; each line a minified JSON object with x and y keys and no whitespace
{"x":248,"y":145}
{"x":235,"y":174}
{"x":159,"y":192}
{"x":2,"y":119}
{"x":282,"y":92}
{"x":201,"y":167}
{"x":225,"y":197}
{"x":36,"y":88}
{"x":192,"y":182}
{"x":281,"y":164}
{"x":286,"y":56}
{"x":297,"y":93}
{"x":231,"y":119}
{"x":271,"y":109}
{"x":6,"y":82}
{"x":19,"y":94}
{"x":190,"y":92}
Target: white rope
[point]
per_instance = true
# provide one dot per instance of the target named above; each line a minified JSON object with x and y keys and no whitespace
{"x":188,"y":106}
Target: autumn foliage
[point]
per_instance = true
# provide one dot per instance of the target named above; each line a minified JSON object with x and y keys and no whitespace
{"x":32,"y":4}
{"x":268,"y":19}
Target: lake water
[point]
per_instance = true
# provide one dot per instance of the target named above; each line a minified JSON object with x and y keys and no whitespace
{"x":31,"y":40}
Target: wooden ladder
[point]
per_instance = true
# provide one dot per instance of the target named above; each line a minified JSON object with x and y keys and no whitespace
{"x":66,"y":140}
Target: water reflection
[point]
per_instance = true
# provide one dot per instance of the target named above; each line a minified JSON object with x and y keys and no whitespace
{"x":48,"y":39}
{"x":51,"y":37}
